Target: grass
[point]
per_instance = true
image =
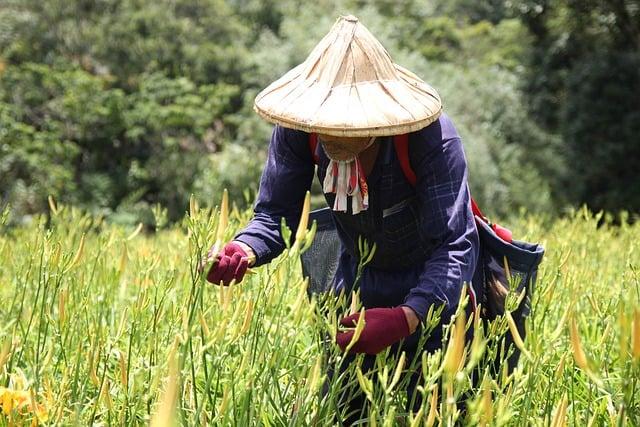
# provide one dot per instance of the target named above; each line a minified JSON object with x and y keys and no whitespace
{"x":105,"y":325}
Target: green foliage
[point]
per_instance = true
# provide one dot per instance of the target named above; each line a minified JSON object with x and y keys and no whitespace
{"x":602,"y":123}
{"x":68,"y":133}
{"x":53,"y":120}
{"x":174,"y":124}
{"x":127,"y":38}
{"x":33,"y":163}
{"x":118,"y":105}
{"x":438,"y":39}
{"x":503,"y":44}
{"x":510,"y":156}
{"x":141,"y":90}
{"x":583,"y":84}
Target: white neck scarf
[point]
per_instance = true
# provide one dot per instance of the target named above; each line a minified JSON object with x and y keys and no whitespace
{"x":346,"y":178}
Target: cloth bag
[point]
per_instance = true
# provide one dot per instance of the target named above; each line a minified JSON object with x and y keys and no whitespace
{"x":504,"y":267}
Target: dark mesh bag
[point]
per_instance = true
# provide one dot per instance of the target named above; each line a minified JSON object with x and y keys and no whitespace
{"x":502,"y":268}
{"x":320,"y":261}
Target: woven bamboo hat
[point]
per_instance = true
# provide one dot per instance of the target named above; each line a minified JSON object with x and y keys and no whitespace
{"x":348,"y":86}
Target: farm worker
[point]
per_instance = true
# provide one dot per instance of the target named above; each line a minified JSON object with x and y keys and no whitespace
{"x":351,"y":95}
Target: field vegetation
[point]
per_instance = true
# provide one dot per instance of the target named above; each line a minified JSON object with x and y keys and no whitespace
{"x":104,"y":325}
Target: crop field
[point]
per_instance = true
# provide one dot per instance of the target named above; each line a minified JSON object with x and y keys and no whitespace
{"x":105,"y":325}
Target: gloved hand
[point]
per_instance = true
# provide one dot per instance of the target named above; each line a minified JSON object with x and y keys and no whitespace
{"x":383,"y":327}
{"x":231,"y":263}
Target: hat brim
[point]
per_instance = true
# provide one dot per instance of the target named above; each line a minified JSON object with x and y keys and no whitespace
{"x":376,"y":108}
{"x":384,"y":130}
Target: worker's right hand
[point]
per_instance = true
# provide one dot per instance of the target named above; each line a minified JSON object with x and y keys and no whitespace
{"x":383,"y":327}
{"x":231,"y":263}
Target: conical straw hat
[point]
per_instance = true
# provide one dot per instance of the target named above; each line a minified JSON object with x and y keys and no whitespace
{"x":348,"y":86}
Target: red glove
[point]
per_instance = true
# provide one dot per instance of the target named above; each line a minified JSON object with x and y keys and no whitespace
{"x":231,"y":263}
{"x":383,"y":327}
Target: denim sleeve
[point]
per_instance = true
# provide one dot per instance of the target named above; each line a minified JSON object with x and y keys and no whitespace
{"x":438,"y":160}
{"x":286,"y":177}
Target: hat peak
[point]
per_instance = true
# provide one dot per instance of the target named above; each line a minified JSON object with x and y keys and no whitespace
{"x":350,"y":18}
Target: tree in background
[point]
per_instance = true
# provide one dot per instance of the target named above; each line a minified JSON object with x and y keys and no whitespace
{"x":583,"y":83}
{"x":119,"y":105}
{"x":115,"y":105}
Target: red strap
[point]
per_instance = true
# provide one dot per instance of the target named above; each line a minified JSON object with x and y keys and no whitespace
{"x":476,"y":211}
{"x":401,"y":142}
{"x":313,"y":144}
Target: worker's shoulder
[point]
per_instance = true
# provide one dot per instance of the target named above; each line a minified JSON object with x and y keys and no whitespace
{"x":289,"y":133}
{"x":437,"y":133}
{"x":288,"y":136}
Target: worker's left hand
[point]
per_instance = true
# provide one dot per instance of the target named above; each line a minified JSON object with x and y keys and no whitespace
{"x":383,"y":327}
{"x":230,"y":265}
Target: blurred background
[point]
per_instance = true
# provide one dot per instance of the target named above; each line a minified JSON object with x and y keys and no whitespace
{"x":126,"y":106}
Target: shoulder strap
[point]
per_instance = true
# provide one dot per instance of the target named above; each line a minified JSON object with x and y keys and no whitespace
{"x":401,"y":142}
{"x":313,"y":145}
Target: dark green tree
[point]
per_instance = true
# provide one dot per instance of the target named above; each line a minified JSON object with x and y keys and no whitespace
{"x":583,"y":83}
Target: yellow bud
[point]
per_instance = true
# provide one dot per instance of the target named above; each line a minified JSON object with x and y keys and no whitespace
{"x":92,"y":371}
{"x":315,"y":375}
{"x":365,"y":384}
{"x":106,"y":395}
{"x":507,"y":271}
{"x":433,"y":408}
{"x":358,"y":331}
{"x":560,"y":368}
{"x":398,"y":372}
{"x":123,"y":259}
{"x":52,"y":205}
{"x":4,"y":353}
{"x":635,"y":335}
{"x":578,"y":352}
{"x":605,"y":335}
{"x":593,"y":304}
{"x":225,"y":400}
{"x":559,"y":418}
{"x":415,"y":421}
{"x":454,"y":358}
{"x":55,"y":257}
{"x":135,"y":232}
{"x":205,"y":327}
{"x":223,"y":221}
{"x":193,"y":206}
{"x":123,"y":369}
{"x":556,"y":333}
{"x":77,"y":256}
{"x":304,"y":219}
{"x":165,"y":413}
{"x":301,"y":298}
{"x":517,"y":339}
{"x":247,"y":318}
{"x":355,"y":302}
{"x":487,"y":404}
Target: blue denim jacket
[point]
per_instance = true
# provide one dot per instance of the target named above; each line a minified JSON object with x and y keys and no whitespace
{"x":426,"y":236}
